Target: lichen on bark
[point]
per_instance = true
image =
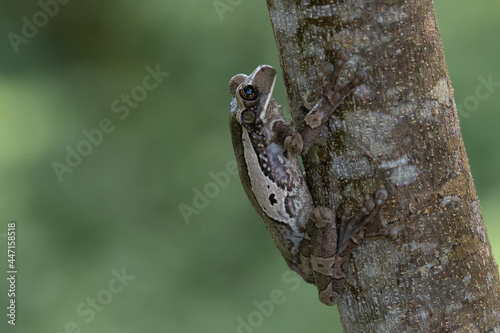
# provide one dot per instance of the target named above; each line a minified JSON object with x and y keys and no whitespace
{"x":400,"y":131}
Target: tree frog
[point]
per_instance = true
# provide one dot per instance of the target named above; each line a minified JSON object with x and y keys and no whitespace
{"x":314,"y":241}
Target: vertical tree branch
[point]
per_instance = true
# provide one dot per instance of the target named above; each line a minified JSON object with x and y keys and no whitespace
{"x":399,"y":131}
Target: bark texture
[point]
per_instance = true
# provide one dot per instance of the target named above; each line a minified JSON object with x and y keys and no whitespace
{"x":400,"y":131}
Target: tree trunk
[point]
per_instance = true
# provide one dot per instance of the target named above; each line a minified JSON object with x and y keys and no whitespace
{"x":400,"y":131}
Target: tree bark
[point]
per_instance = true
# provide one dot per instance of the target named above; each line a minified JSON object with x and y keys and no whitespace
{"x":400,"y":131}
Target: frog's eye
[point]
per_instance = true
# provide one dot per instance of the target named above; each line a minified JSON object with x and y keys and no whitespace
{"x":248,"y":92}
{"x":248,"y":117}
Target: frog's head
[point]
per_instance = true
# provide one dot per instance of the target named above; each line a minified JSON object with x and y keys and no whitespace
{"x":253,"y":94}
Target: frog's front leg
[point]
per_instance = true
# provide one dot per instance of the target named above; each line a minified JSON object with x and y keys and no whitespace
{"x":326,"y":245}
{"x":332,"y":93}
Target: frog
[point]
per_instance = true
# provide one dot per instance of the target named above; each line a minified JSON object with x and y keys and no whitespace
{"x":315,"y":241}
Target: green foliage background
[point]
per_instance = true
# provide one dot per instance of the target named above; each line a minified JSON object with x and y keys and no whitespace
{"x":120,"y":207}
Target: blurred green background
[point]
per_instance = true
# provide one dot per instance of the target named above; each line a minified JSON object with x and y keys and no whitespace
{"x":117,"y":211}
